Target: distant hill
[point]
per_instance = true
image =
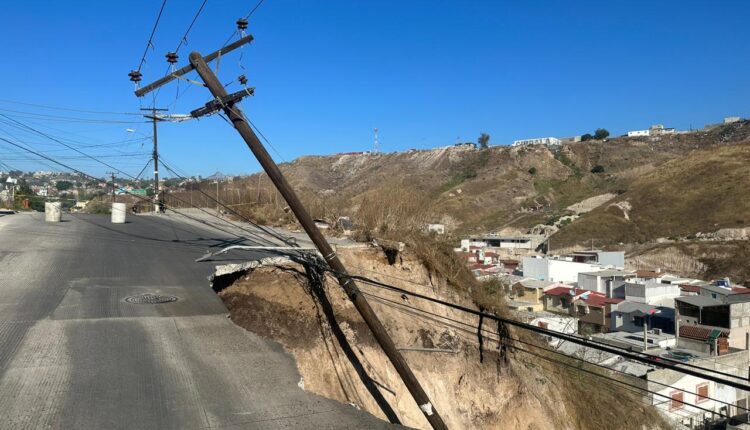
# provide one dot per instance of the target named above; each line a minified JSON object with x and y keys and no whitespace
{"x":673,"y":184}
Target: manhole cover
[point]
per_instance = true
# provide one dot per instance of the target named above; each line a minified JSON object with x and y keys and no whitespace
{"x":150,"y":299}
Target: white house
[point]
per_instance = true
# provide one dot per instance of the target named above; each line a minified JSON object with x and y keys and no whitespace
{"x":555,"y":270}
{"x":604,"y":281}
{"x":537,"y":141}
{"x":638,"y":133}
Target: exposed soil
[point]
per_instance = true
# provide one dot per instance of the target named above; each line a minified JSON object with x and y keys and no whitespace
{"x":278,"y":302}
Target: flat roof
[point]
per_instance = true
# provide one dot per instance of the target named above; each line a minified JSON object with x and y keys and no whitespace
{"x":609,"y":272}
{"x":700,"y":301}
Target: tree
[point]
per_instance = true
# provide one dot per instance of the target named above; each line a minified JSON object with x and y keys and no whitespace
{"x":586,"y":137}
{"x":597,"y":169}
{"x":484,"y":140}
{"x":63,"y":185}
{"x":601,"y":133}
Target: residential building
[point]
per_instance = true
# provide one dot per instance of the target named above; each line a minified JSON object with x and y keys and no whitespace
{"x":594,"y":311}
{"x":714,"y":320}
{"x":680,"y":396}
{"x":572,"y":139}
{"x":607,"y":281}
{"x":565,"y":268}
{"x":555,"y":269}
{"x":631,"y":317}
{"x":639,"y":133}
{"x":559,"y":299}
{"x":526,"y":294}
{"x":530,"y":241}
{"x":651,"y":291}
{"x":614,"y":259}
{"x":537,"y":141}
{"x":659,"y":129}
{"x":637,"y":341}
{"x":732,"y":119}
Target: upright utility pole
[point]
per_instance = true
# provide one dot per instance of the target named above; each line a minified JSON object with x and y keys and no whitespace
{"x":226,"y":102}
{"x":376,"y":145}
{"x":113,"y":186}
{"x":157,"y":188}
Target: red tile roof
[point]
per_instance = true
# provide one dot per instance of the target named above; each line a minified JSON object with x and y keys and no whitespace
{"x":699,"y":333}
{"x":690,"y":288}
{"x":740,"y":290}
{"x":600,"y":300}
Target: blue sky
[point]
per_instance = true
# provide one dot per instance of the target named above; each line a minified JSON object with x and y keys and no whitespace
{"x":426,"y":73}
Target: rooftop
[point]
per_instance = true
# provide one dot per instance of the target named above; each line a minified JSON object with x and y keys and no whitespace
{"x":561,"y":290}
{"x":536,"y":284}
{"x":699,"y":301}
{"x":599,"y":300}
{"x":702,"y":332}
{"x":609,"y":272}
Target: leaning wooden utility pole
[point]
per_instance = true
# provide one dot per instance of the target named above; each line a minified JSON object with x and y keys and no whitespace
{"x":226,"y":102}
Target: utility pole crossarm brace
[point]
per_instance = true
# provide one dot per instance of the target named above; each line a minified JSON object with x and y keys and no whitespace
{"x":140,"y":92}
{"x":219,"y":103}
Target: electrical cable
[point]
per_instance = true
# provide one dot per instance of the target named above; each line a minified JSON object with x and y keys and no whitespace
{"x":676,"y":362}
{"x":195,"y":18}
{"x":138,"y":196}
{"x":69,"y":109}
{"x":471,"y":329}
{"x":246,"y":219}
{"x":151,"y":37}
{"x":573,"y":339}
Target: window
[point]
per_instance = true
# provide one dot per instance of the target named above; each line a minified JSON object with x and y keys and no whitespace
{"x":676,"y":400}
{"x":701,"y":392}
{"x":638,"y":321}
{"x":581,"y":309}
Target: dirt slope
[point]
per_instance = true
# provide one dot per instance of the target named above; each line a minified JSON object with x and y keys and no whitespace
{"x":277,"y":302}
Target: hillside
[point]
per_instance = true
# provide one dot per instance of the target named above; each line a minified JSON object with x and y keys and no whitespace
{"x":644,"y":189}
{"x":674,"y":185}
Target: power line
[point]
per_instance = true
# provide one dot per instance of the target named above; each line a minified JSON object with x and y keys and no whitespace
{"x":436,"y":318}
{"x":184,"y":38}
{"x":151,"y":37}
{"x":69,"y":109}
{"x":62,"y":143}
{"x":676,"y":362}
{"x":215,"y":200}
{"x":42,"y":116}
{"x":573,"y":339}
{"x":127,"y":192}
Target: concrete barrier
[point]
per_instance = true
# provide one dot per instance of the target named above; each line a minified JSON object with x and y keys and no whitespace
{"x":118,"y":213}
{"x":52,"y":211}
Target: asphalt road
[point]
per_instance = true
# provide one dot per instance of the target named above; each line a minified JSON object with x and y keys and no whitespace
{"x":75,"y":355}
